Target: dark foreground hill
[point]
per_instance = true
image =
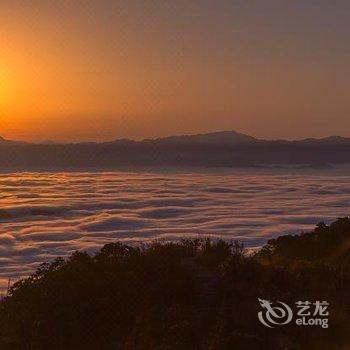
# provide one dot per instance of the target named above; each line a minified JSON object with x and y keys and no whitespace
{"x":220,"y":149}
{"x":195,"y":294}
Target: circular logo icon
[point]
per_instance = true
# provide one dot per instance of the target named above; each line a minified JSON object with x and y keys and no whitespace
{"x":274,"y":315}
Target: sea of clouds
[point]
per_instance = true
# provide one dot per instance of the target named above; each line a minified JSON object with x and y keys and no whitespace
{"x":45,"y":215}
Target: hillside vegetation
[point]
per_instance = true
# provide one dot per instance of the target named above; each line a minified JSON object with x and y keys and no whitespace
{"x":193,"y":294}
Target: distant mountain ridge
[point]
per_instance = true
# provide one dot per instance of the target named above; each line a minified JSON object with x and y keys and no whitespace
{"x":213,"y":137}
{"x":4,"y":141}
{"x":217,"y":137}
{"x":231,"y":137}
{"x":217,"y":149}
{"x":329,"y":140}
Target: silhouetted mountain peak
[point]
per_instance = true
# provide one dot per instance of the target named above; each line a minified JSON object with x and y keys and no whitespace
{"x":228,"y":137}
{"x":328,"y":140}
{"x":4,"y":141}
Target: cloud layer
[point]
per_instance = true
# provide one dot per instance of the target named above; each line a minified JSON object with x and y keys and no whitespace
{"x":44,"y":215}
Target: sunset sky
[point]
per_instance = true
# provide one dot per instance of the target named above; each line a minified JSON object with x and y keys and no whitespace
{"x":100,"y":70}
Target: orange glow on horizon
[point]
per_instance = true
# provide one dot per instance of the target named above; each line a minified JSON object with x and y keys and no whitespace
{"x":131,"y":69}
{"x":4,"y":89}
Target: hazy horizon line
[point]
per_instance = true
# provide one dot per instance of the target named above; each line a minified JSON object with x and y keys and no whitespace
{"x":166,"y":135}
